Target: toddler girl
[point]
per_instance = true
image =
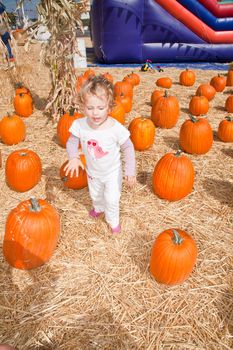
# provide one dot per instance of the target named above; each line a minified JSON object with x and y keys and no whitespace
{"x":102,"y":139}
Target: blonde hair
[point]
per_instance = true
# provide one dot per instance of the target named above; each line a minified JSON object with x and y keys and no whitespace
{"x":96,"y":85}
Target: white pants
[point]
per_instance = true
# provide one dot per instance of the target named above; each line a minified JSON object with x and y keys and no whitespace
{"x":105,"y":194}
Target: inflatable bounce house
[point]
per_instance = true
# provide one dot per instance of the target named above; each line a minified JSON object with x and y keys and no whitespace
{"x":162,"y":30}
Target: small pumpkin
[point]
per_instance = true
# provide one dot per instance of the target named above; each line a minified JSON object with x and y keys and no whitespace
{"x":218,"y":82}
{"x":136,"y":78}
{"x":89,"y":73}
{"x":196,"y":136}
{"x":118,"y":112}
{"x":21,"y":89}
{"x":225,"y":130}
{"x":173,"y":256}
{"x":108,"y":76}
{"x":126,"y":102}
{"x":229,"y":81}
{"x":31,"y":234}
{"x":74,"y":182}
{"x":23,"y":170}
{"x":156,"y":94}
{"x":81,"y":79}
{"x":229,"y":104}
{"x":23,"y":105}
{"x":164,"y":82}
{"x":165,"y":112}
{"x":64,"y":124}
{"x":198,"y":105}
{"x":12,"y":129}
{"x":206,"y":90}
{"x":187,"y":77}
{"x":142,"y":133}
{"x":173,"y":177}
{"x":123,"y":87}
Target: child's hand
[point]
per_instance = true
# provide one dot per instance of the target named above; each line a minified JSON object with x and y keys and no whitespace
{"x":73,"y":166}
{"x":130,"y":181}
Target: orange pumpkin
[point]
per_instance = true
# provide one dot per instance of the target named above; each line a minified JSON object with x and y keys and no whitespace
{"x":64,"y":124}
{"x":89,"y":73}
{"x":74,"y":182}
{"x":118,"y":112}
{"x":108,"y":76}
{"x":142,"y":133}
{"x":156,"y":94}
{"x":173,"y":256}
{"x":198,"y":105}
{"x":164,"y":82}
{"x":81,"y":79}
{"x":173,"y":177}
{"x":218,"y":82}
{"x":206,"y":90}
{"x":123,"y":87}
{"x":23,"y":105}
{"x":129,"y":79}
{"x":229,"y":104}
{"x":23,"y":170}
{"x":135,"y":77}
{"x":126,"y":102}
{"x":196,"y":136}
{"x":229,"y":81}
{"x":12,"y":129}
{"x":187,"y":77}
{"x":225,"y":130}
{"x":165,"y":112}
{"x":20,"y":89}
{"x":31,"y":234}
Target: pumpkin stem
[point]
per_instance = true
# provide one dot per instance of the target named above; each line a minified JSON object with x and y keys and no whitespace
{"x":35,"y":206}
{"x":71,"y":111}
{"x":165,"y":93}
{"x":178,"y":153}
{"x":193,"y":119}
{"x":177,"y":239}
{"x":228,"y":118}
{"x":65,"y":178}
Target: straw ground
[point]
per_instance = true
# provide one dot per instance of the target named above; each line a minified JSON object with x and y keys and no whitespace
{"x":96,"y":292}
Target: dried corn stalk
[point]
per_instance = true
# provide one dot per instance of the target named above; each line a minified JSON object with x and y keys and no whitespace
{"x":63,"y":20}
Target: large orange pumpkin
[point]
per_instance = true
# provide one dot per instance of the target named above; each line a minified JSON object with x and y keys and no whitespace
{"x":31,"y":234}
{"x":198,"y":105}
{"x":173,"y":177}
{"x":64,"y":124}
{"x":74,"y":182}
{"x":142,"y":133}
{"x":165,"y":112}
{"x":164,"y":82}
{"x":23,"y":170}
{"x":12,"y":129}
{"x":196,"y":136}
{"x":206,"y":90}
{"x":225,"y":130}
{"x":23,"y":105}
{"x":187,"y":77}
{"x":173,"y":256}
{"x":218,"y":82}
{"x":118,"y":112}
{"x":229,"y":104}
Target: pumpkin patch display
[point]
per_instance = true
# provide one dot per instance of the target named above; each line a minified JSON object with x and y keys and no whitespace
{"x":218,"y":82}
{"x":165,"y":112}
{"x":118,"y":112}
{"x":225,"y":130}
{"x":23,"y":170}
{"x":206,"y":90}
{"x":23,"y":104}
{"x":74,"y":182}
{"x":196,"y":136}
{"x":229,"y":104}
{"x":64,"y":124}
{"x":173,"y":177}
{"x":31,"y":234}
{"x":173,"y":256}
{"x":198,"y":105}
{"x":12,"y":129}
{"x":142,"y":133}
{"x":164,"y":82}
{"x":187,"y":77}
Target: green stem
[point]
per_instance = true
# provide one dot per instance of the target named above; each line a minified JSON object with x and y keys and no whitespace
{"x":178,"y":153}
{"x":228,"y":118}
{"x":193,"y":119}
{"x":35,"y":206}
{"x":177,"y":239}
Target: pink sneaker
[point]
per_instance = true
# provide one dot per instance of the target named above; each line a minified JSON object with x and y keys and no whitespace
{"x":116,"y":229}
{"x":94,"y":214}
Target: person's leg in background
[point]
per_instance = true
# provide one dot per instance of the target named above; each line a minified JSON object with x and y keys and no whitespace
{"x":6,"y":40}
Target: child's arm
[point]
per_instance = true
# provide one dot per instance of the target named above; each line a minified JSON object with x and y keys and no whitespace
{"x":129,"y":155}
{"x":73,"y":155}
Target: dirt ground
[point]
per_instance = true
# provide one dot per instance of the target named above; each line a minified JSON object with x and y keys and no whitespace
{"x":96,"y":292}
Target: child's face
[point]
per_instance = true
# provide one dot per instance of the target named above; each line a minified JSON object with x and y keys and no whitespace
{"x":96,"y":108}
